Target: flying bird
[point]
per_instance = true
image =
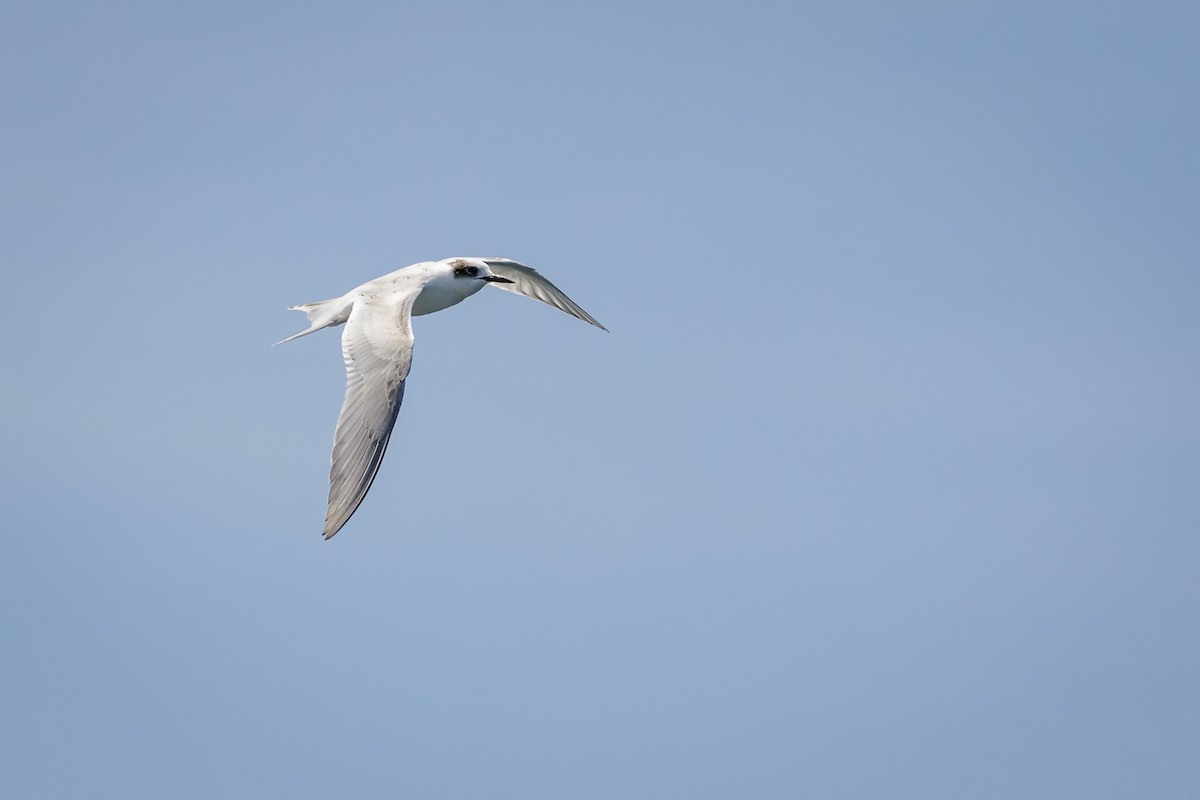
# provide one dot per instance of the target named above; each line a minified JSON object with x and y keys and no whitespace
{"x":377,"y":346}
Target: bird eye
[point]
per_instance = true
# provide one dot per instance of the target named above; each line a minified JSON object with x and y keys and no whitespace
{"x":472,"y":271}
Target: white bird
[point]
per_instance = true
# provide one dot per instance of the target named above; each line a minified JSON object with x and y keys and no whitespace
{"x":377,"y":346}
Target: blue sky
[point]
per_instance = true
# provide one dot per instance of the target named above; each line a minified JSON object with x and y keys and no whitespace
{"x":884,"y":483}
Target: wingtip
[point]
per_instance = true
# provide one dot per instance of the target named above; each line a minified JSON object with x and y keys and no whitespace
{"x":588,"y":318}
{"x":332,"y":527}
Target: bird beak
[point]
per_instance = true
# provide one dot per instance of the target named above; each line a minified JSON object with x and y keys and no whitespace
{"x":495,"y":279}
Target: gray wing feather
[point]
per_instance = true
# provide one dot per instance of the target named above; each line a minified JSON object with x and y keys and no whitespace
{"x":529,"y":282}
{"x":377,"y":346}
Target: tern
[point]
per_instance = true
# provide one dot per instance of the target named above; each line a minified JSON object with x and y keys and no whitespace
{"x":377,"y":346}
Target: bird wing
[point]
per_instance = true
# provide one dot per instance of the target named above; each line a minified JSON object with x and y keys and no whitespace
{"x":377,"y":345}
{"x":529,"y":282}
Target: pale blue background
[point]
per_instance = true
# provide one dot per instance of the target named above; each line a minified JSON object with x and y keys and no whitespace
{"x":886,"y":483}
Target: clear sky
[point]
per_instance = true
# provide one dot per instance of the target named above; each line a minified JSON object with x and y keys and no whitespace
{"x":885,"y":484}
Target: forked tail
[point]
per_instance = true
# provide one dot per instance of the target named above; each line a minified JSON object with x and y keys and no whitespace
{"x":322,"y":314}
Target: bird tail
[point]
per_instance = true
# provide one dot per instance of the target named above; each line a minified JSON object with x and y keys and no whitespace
{"x":322,"y":314}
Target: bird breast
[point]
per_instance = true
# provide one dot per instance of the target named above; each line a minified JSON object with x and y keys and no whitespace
{"x":441,"y":294}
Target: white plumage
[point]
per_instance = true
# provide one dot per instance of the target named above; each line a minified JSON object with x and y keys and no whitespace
{"x":377,"y":345}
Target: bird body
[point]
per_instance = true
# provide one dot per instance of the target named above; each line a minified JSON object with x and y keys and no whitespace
{"x":377,"y":346}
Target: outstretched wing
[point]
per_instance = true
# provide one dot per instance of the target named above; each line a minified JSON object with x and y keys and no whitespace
{"x":377,"y":346}
{"x":529,"y":282}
